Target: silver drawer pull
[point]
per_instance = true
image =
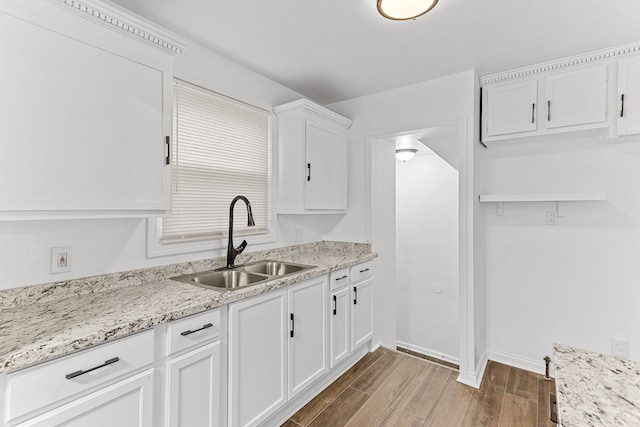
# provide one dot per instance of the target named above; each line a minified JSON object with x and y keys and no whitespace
{"x":81,"y":372}
{"x":189,"y":332}
{"x":365,"y":270}
{"x":341,"y":278}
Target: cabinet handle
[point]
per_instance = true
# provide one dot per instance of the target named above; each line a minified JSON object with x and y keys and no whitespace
{"x":341,"y":278}
{"x":622,"y":109}
{"x":548,"y":111}
{"x":189,"y":332}
{"x":167,"y":157}
{"x":81,"y":372}
{"x":293,"y":325}
{"x":308,"y":171}
{"x":335,"y":305}
{"x":533,"y":113}
{"x":365,"y":270}
{"x":355,"y":295}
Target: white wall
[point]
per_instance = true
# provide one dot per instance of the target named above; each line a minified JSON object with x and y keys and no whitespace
{"x":111,"y":245}
{"x":576,"y":283}
{"x":427,"y":256}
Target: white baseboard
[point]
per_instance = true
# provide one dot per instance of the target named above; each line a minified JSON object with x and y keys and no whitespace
{"x":429,"y":352}
{"x":537,"y":366}
{"x":474,"y":380}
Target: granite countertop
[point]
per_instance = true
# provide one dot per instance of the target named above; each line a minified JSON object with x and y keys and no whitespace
{"x":595,"y":389}
{"x":45,"y":321}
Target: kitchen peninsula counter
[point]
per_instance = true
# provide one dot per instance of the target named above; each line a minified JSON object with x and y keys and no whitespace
{"x":595,"y":389}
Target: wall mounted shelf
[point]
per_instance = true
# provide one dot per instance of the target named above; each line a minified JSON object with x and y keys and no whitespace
{"x":545,"y":197}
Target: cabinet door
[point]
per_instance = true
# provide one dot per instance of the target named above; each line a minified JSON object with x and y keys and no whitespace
{"x":127,"y":403}
{"x":193,"y":388}
{"x":361,"y":312}
{"x":257,"y":358}
{"x":576,"y":97}
{"x":308,"y":334}
{"x":83,"y":125}
{"x":326,"y":159}
{"x":629,"y":96}
{"x":512,"y":108}
{"x":340,"y":312}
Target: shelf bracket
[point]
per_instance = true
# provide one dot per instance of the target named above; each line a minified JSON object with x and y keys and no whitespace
{"x":500,"y":209}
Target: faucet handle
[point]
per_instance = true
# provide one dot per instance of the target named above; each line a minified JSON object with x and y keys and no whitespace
{"x":241,"y":247}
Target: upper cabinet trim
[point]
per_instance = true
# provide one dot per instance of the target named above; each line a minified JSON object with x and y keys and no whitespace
{"x":305,"y":104}
{"x":121,"y":22}
{"x":561,"y":63}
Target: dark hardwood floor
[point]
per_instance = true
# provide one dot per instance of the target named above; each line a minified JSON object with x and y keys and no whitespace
{"x":388,"y":388}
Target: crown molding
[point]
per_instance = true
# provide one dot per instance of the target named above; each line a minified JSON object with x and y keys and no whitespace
{"x":306,"y":105}
{"x":571,"y":61}
{"x":119,"y":21}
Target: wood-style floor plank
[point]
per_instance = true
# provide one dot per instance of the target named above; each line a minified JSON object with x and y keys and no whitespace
{"x":485,"y":404}
{"x":545,"y":388}
{"x":518,"y":411}
{"x":391,"y":389}
{"x":371,"y":379}
{"x":523,"y":384}
{"x":452,"y":405}
{"x":311,"y":410}
{"x":388,"y":395}
{"x":341,"y":410}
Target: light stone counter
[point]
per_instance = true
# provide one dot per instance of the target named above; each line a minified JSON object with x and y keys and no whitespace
{"x":595,"y":389}
{"x":44,"y":321}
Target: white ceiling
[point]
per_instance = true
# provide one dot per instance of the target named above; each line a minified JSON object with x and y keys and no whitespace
{"x":332,"y":50}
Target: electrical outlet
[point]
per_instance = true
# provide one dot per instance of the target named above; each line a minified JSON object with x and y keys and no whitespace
{"x":552,"y":218}
{"x":620,"y":348}
{"x":61,"y":259}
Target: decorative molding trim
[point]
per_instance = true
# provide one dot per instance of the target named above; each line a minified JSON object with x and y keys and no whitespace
{"x":306,"y":105}
{"x":123,"y":23}
{"x":518,"y":361}
{"x":571,"y":61}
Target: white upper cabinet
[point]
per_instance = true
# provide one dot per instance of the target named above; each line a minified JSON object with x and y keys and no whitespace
{"x":628,"y":113}
{"x":512,"y":108}
{"x":86,"y":113}
{"x":576,"y":97}
{"x":312,"y":159}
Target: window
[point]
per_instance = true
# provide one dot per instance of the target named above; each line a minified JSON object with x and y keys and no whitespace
{"x":221,"y":149}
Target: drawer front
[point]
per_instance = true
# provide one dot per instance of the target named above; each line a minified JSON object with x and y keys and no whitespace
{"x":33,"y":388}
{"x":193,"y":330}
{"x":362,"y":271}
{"x":339,"y":278}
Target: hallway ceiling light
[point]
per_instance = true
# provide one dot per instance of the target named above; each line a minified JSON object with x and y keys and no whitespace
{"x":405,"y":154}
{"x":402,"y":10}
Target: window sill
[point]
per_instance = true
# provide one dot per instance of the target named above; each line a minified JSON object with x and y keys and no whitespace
{"x":155,"y":248}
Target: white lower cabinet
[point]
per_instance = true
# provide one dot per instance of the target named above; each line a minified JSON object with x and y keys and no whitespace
{"x":361,"y":312}
{"x":277,"y":348}
{"x":308,"y":358}
{"x":127,"y":403}
{"x":340,"y":345}
{"x":257,"y":358}
{"x":193,"y":388}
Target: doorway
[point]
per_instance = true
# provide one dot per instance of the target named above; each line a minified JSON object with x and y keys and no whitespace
{"x":427,"y":242}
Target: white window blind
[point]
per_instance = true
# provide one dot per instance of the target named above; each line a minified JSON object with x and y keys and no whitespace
{"x":220,"y":150}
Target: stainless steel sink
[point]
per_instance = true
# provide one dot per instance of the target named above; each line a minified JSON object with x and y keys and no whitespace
{"x":227,"y":279}
{"x":242,"y":276}
{"x":275,"y":268}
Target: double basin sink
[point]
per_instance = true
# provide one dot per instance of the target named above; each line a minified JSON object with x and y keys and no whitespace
{"x":242,"y":276}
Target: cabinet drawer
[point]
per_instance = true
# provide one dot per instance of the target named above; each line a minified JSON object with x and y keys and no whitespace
{"x":339,"y":278}
{"x":362,"y":271}
{"x":193,"y":330}
{"x":42,"y":385}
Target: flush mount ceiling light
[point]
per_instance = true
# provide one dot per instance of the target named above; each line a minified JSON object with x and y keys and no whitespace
{"x":402,"y":10}
{"x":405,"y":154}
